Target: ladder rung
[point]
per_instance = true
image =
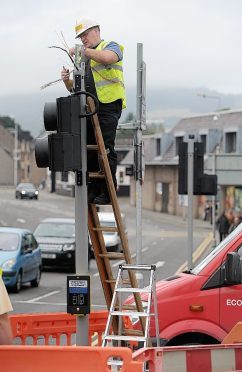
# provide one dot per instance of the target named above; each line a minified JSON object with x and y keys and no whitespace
{"x":130,"y":313}
{"x":112,"y":256}
{"x":129,"y":307}
{"x":96,"y":175}
{"x":106,"y":228}
{"x":134,"y":290}
{"x":132,"y":332}
{"x":110,"y":281}
{"x":125,"y":338}
{"x":92,"y":147}
{"x":138,"y":267}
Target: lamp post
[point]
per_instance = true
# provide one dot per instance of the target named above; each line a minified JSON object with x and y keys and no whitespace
{"x":16,"y":155}
{"x":213,"y":215}
{"x":216,"y":97}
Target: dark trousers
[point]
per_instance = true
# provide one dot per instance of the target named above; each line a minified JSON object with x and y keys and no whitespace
{"x":108,"y":116}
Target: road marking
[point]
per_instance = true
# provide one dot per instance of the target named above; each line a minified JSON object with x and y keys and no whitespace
{"x":20,"y":220}
{"x":197,"y":253}
{"x":132,"y":256}
{"x":160,"y":264}
{"x":44,"y":296}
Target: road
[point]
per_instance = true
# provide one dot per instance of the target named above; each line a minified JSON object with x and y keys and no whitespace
{"x":164,"y":243}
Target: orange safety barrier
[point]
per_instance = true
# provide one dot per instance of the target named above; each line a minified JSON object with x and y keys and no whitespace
{"x":34,"y":358}
{"x":55,"y":328}
{"x":209,"y":358}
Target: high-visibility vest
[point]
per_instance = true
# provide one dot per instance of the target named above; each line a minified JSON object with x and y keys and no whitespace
{"x":108,"y":79}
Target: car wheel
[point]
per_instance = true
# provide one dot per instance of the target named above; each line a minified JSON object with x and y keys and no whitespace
{"x":35,"y":282}
{"x":18,"y":284}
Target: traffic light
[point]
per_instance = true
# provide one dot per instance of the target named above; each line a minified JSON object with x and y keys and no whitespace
{"x":203,"y":184}
{"x":61,"y":151}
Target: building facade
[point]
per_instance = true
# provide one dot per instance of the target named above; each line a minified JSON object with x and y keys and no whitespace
{"x":221,"y":134}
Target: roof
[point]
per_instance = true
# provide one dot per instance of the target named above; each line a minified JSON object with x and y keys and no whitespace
{"x":219,"y":120}
{"x":16,"y":230}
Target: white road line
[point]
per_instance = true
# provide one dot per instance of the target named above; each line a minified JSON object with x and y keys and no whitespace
{"x":20,"y":220}
{"x":160,"y":264}
{"x":40,"y":297}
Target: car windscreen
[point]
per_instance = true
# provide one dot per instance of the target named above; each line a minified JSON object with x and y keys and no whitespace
{"x":197,"y":269}
{"x":9,"y":241}
{"x":60,"y":230}
{"x":108,"y":224}
{"x":27,"y":186}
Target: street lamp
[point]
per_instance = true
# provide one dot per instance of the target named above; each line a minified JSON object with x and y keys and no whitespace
{"x":216,"y":117}
{"x":16,"y":155}
{"x":216,"y":97}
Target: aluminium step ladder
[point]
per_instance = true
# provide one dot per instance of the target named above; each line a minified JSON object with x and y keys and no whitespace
{"x":96,"y":230}
{"x":117,"y":310}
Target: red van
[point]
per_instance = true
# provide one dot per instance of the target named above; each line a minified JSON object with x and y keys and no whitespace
{"x":202,"y":305}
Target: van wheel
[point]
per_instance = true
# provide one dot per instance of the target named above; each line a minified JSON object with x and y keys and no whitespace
{"x":18,"y":284}
{"x":35,"y":282}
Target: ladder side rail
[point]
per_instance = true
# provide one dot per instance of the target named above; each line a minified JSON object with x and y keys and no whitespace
{"x":113,"y":197}
{"x":110,"y":184}
{"x":112,"y":306}
{"x":149,"y":307}
{"x":157,"y":331}
{"x":103,"y":264}
{"x":103,"y":267}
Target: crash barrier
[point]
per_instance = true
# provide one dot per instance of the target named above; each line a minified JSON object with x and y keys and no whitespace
{"x":209,"y":358}
{"x":55,"y":328}
{"x":235,"y":335}
{"x":66,"y":358}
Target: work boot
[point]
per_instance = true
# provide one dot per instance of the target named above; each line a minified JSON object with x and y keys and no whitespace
{"x":102,"y":199}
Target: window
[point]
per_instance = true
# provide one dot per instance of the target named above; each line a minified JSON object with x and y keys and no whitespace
{"x":64,"y":176}
{"x":158,"y":146}
{"x":204,"y":141}
{"x":178,"y":141}
{"x":230,"y":142}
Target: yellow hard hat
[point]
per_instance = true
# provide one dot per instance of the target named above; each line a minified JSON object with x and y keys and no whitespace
{"x":83,"y":24}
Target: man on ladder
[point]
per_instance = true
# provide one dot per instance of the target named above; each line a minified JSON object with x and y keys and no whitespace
{"x":104,"y":79}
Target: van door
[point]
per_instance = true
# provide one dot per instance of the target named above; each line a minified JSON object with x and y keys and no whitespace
{"x":231,"y":300}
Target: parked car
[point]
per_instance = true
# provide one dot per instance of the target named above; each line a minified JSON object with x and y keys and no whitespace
{"x":26,"y":191}
{"x":20,"y":258}
{"x":56,"y":237}
{"x":111,"y":238}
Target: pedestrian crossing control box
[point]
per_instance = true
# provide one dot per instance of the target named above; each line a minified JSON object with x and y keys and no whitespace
{"x":78,"y":294}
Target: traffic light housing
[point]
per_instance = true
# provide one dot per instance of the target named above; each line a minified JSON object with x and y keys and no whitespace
{"x":203,"y":184}
{"x":61,"y":151}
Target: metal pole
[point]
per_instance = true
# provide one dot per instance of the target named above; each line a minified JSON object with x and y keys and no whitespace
{"x":16,"y":155}
{"x":190,"y":157}
{"x":138,"y":149}
{"x":81,"y":220}
{"x":214,"y":205}
{"x":138,"y":141}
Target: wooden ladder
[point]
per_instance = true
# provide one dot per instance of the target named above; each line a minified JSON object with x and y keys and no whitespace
{"x":96,"y":230}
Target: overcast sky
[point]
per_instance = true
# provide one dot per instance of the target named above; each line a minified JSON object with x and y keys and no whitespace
{"x":186,"y":42}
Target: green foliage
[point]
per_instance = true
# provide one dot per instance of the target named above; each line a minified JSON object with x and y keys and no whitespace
{"x":151,"y":128}
{"x":7,"y":122}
